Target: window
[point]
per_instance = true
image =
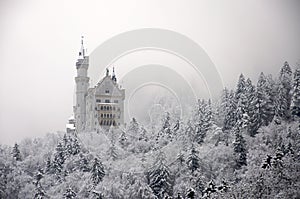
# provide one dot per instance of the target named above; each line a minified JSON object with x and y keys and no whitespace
{"x":101,"y":115}
{"x":101,"y":108}
{"x":107,"y":101}
{"x":98,"y":100}
{"x":116,"y":101}
{"x":106,"y":91}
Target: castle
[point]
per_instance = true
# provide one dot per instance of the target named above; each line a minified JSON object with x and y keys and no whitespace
{"x":101,"y":106}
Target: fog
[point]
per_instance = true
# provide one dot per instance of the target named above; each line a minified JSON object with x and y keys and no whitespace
{"x":40,"y":42}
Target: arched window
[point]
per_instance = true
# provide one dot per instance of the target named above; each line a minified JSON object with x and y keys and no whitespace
{"x":101,"y":122}
{"x":104,"y":123}
{"x":101,"y":115}
{"x":101,"y":108}
{"x":114,"y":123}
{"x":114,"y":108}
{"x":110,"y":116}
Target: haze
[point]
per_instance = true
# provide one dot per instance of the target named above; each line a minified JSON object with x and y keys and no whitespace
{"x":40,"y":42}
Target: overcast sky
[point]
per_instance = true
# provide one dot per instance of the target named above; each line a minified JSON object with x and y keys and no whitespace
{"x":40,"y":42}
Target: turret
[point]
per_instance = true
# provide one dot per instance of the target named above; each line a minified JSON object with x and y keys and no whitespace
{"x":82,"y":84}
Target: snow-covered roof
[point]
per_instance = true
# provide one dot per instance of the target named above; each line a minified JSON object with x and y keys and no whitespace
{"x":70,"y":126}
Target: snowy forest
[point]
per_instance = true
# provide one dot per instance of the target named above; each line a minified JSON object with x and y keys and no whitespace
{"x":246,"y":144}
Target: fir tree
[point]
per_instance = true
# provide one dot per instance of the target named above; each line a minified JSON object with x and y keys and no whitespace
{"x":16,"y":152}
{"x":39,"y":175}
{"x":160,"y":178}
{"x":40,"y":192}
{"x":295,"y":107}
{"x":69,"y":194}
{"x":75,"y":146}
{"x":84,"y":164}
{"x":112,"y":151}
{"x":284,"y":92}
{"x":193,"y":161}
{"x":133,"y":127}
{"x":203,"y":120}
{"x":252,"y":108}
{"x":48,"y":166}
{"x":176,"y":126}
{"x":242,"y":103}
{"x":97,"y":171}
{"x":180,"y":159}
{"x":123,"y":140}
{"x":230,"y":112}
{"x":239,"y":148}
{"x":265,"y":107}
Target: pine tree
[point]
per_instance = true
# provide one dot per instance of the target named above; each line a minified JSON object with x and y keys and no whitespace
{"x":284,"y":92}
{"x":160,"y":178}
{"x":16,"y":152}
{"x":75,"y":146}
{"x":69,"y":194}
{"x":180,"y":159}
{"x":242,"y":101}
{"x":59,"y":159}
{"x":84,"y":164}
{"x":40,"y":192}
{"x":123,"y":140}
{"x":239,"y":148}
{"x":230,"y":112}
{"x":39,"y":175}
{"x":203,"y":120}
{"x":97,"y":171}
{"x":57,"y":166}
{"x":265,"y":106}
{"x":295,"y":107}
{"x":193,"y":161}
{"x":48,"y":166}
{"x":133,"y":127}
{"x":112,"y":151}
{"x":252,"y":108}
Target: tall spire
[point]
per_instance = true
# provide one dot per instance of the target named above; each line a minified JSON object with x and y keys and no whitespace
{"x":81,"y":52}
{"x":114,"y":78}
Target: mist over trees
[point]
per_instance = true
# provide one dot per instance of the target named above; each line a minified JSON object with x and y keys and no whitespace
{"x":244,"y":145}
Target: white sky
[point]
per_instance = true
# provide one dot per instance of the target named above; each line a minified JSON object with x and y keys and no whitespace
{"x":40,"y":42}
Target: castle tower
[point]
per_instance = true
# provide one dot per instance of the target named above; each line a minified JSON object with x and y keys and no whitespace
{"x":82,"y":85}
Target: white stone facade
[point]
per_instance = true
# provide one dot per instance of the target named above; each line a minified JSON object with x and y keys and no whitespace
{"x":101,"y":106}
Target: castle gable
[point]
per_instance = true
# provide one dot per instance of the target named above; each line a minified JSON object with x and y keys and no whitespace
{"x":107,"y":87}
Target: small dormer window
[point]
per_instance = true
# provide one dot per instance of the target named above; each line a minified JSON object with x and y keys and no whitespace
{"x":106,"y":91}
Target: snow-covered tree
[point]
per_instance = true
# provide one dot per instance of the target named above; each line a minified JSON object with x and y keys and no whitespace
{"x":112,"y":151}
{"x":160,"y":179}
{"x":203,"y":120}
{"x":16,"y":152}
{"x":264,"y":101}
{"x":133,"y":127}
{"x":295,"y":106}
{"x":97,"y":171}
{"x":284,"y":97}
{"x":193,"y":160}
{"x":69,"y":194}
{"x":242,"y":102}
{"x":240,"y":150}
{"x":84,"y":164}
{"x":230,"y":111}
{"x":39,"y":192}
